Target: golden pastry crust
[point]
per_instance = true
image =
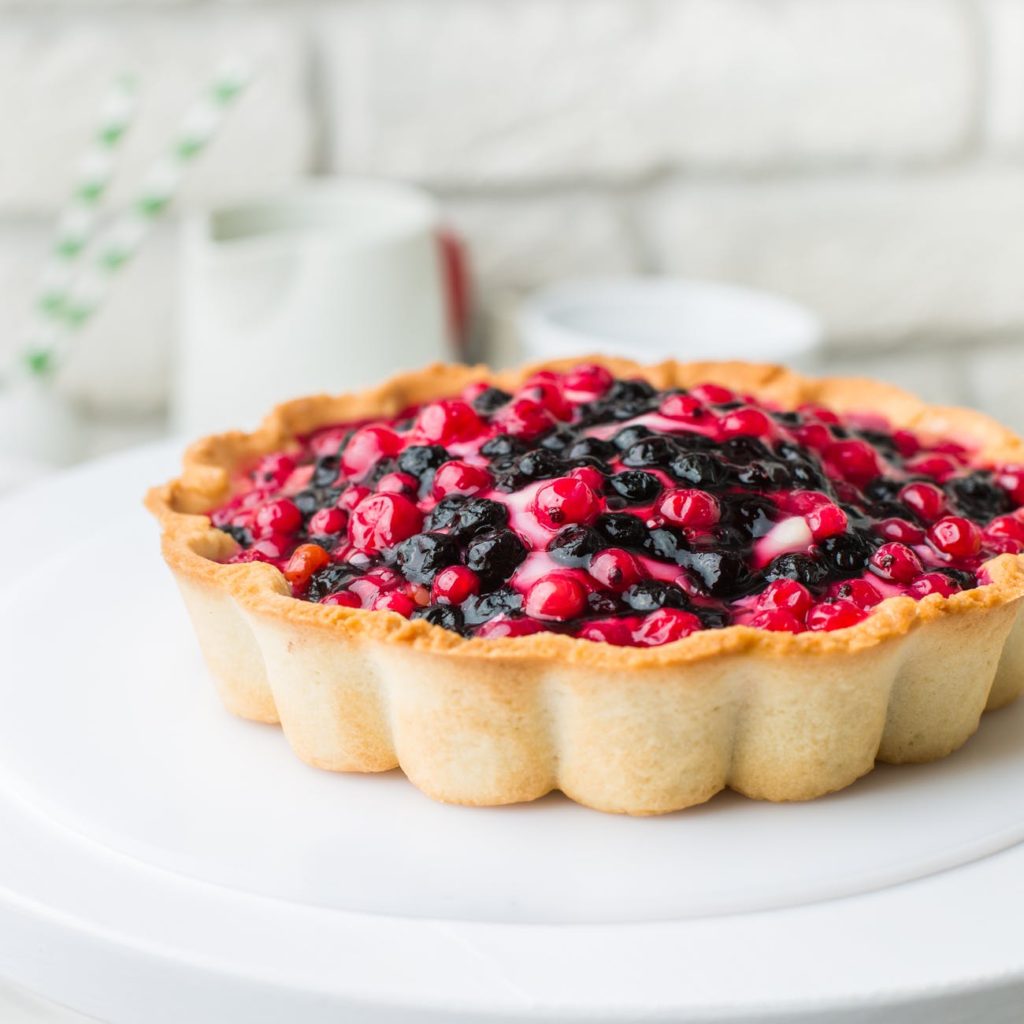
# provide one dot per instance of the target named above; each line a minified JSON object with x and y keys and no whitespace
{"x":774,"y":715}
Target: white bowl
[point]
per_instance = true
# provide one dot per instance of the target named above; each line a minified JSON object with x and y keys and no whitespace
{"x":655,"y":318}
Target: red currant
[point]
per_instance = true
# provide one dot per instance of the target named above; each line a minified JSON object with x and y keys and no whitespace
{"x":746,"y":421}
{"x":927,"y":500}
{"x":382,"y":521}
{"x":394,"y":601}
{"x":586,"y":382}
{"x":854,"y":461}
{"x":447,"y":422}
{"x":1011,"y":479}
{"x":556,"y":597}
{"x":900,"y":530}
{"x":366,"y":447}
{"x":273,"y":470}
{"x":689,"y":507}
{"x":778,"y":620}
{"x":458,"y":477}
{"x":343,"y":598}
{"x":684,"y":408}
{"x":788,"y":595}
{"x":860,"y":592}
{"x":618,"y":632}
{"x":831,"y":615}
{"x":664,"y":626}
{"x":454,"y":585}
{"x":326,"y":521}
{"x":398,"y":483}
{"x":933,"y":583}
{"x":279,"y":516}
{"x":939,"y":467}
{"x":565,"y":500}
{"x":524,"y":418}
{"x":506,"y":628}
{"x":712,"y":394}
{"x":956,"y":536}
{"x":895,"y":561}
{"x":615,"y":569}
{"x":826,"y":521}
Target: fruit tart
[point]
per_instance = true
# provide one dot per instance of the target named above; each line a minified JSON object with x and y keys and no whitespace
{"x":634,"y":584}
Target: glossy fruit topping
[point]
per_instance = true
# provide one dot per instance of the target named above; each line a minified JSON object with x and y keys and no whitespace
{"x":609,"y":511}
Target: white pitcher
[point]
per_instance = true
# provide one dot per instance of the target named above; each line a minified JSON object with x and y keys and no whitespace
{"x":329,"y":289}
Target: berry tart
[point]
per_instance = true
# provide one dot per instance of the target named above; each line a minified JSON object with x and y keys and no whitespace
{"x":637,"y":585}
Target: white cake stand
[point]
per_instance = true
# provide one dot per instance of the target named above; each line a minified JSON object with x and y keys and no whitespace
{"x":163,"y":861}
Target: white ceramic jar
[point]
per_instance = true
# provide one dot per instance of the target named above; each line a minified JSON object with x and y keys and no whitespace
{"x":329,"y":289}
{"x":654,"y":318}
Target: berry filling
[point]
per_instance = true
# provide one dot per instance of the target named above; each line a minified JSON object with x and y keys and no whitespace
{"x":610,"y":511}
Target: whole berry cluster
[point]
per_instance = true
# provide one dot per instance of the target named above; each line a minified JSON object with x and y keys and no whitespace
{"x":614,"y":512}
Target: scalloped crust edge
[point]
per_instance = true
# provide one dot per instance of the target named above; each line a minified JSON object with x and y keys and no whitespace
{"x":775,"y":716}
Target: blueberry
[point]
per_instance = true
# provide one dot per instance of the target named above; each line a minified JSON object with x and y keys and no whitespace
{"x":636,"y":486}
{"x":787,"y":419}
{"x":697,"y":468}
{"x":626,"y":399}
{"x":622,"y":529}
{"x":380,"y":469}
{"x":763,"y":475}
{"x":721,"y":573}
{"x":325,"y":472}
{"x":573,"y":545}
{"x":882,"y":489}
{"x":495,"y":554}
{"x":729,"y":537}
{"x":446,"y":616}
{"x":845,"y":554}
{"x":659,"y":450}
{"x":802,"y":568}
{"x":241,"y":535}
{"x":558,"y":440}
{"x":665,"y":543}
{"x":419,"y":459}
{"x":744,"y":449}
{"x":883,"y":442}
{"x":978,"y":496}
{"x":628,"y":436}
{"x":491,"y":400}
{"x":463,"y":517}
{"x":601,"y":603}
{"x":313,"y":498}
{"x":483,"y":608}
{"x":328,"y":580}
{"x":501,"y":446}
{"x":591,"y":448}
{"x":650,"y":595}
{"x":421,"y":557}
{"x":752,"y":513}
{"x":538,"y":464}
{"x":712,"y":618}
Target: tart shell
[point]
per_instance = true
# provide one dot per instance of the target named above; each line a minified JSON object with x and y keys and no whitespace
{"x":776,"y":716}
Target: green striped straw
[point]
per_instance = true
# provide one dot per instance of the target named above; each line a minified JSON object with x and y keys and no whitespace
{"x":71,"y":301}
{"x":78,"y":220}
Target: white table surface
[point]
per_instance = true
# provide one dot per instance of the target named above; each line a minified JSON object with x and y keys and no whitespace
{"x":1003,"y":997}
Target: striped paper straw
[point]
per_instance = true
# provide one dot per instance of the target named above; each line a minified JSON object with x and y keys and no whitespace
{"x":74,"y":302}
{"x":80,"y":216}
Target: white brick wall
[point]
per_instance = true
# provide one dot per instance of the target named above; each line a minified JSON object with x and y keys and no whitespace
{"x":881,"y":257}
{"x":55,"y":70}
{"x":539,"y":90}
{"x":864,"y":156}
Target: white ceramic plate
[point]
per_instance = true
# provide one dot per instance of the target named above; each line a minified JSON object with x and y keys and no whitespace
{"x":147,"y":830}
